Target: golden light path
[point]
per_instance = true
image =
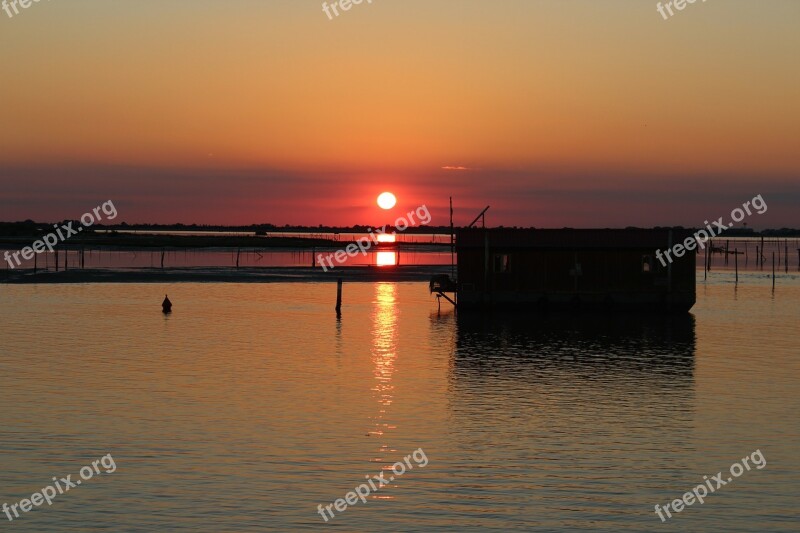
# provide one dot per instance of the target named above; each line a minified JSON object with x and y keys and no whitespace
{"x":386,"y":258}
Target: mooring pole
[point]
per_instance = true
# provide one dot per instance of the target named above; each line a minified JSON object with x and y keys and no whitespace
{"x":710,"y":254}
{"x":705,"y":263}
{"x":773,"y":270}
{"x":339,"y":296}
{"x":669,"y":266}
{"x":736,"y":261}
{"x":786,"y":254}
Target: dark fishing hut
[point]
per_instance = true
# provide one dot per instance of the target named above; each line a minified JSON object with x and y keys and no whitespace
{"x":600,"y":269}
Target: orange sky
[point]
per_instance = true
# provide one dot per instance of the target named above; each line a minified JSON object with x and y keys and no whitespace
{"x":579,"y":113}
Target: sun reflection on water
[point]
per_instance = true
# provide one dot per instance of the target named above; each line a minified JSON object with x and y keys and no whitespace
{"x":384,"y":352}
{"x":386,"y":258}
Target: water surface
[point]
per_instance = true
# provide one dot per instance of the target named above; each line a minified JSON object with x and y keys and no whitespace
{"x":252,"y":404}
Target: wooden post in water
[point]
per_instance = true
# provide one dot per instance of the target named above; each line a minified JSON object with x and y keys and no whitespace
{"x":313,"y":257}
{"x":238,"y":252}
{"x":710,"y":257}
{"x":773,"y":270}
{"x":705,"y":263}
{"x":786,"y":255}
{"x":761,"y":257}
{"x":736,"y":261}
{"x":339,"y":296}
{"x":727,"y":244}
{"x":162,"y":258}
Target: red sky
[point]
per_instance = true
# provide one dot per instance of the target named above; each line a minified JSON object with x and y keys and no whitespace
{"x":582,"y":114}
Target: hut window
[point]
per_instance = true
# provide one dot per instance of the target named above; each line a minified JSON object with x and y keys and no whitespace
{"x":501,"y":263}
{"x":647,"y":263}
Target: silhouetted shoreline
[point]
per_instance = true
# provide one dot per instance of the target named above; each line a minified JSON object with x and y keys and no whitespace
{"x":226,"y":275}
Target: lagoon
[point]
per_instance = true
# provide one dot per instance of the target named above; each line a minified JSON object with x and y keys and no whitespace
{"x":251,"y":404}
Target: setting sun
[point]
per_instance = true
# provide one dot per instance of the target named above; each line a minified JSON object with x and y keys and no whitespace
{"x":386,"y":200}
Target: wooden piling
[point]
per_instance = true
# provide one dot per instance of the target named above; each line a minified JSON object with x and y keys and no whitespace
{"x":710,"y":254}
{"x":339,"y":296}
{"x":238,"y":253}
{"x":736,"y":262}
{"x":727,"y":245}
{"x":786,"y":255}
{"x":761,"y":257}
{"x":162,"y":258}
{"x":705,"y":263}
{"x":773,"y":270}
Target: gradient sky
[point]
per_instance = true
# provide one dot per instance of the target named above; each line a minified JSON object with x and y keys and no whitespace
{"x":578,"y":113}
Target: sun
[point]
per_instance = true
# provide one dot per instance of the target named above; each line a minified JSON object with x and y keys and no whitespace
{"x":386,"y":200}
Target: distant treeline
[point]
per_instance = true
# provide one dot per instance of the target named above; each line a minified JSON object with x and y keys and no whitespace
{"x":31,"y":228}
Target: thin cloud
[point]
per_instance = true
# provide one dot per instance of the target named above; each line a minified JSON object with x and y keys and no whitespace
{"x":455,"y":168}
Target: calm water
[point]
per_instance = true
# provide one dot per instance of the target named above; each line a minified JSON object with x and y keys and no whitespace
{"x":251,"y":405}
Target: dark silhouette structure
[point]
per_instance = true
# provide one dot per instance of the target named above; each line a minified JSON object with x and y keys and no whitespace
{"x":593,"y":269}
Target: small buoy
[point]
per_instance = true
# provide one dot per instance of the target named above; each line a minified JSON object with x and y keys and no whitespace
{"x":166,"y":305}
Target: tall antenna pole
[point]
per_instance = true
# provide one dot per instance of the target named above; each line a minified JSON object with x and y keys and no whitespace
{"x":452,"y":243}
{"x":480,"y":217}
